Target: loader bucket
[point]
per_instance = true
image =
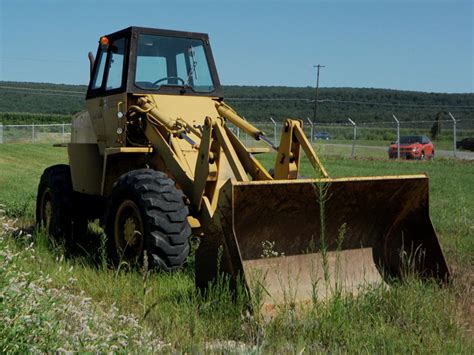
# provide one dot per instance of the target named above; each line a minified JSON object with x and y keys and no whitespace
{"x":285,"y":245}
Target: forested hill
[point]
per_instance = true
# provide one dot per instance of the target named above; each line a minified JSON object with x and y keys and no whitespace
{"x":56,"y":103}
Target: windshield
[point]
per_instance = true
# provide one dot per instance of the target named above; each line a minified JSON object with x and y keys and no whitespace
{"x":172,"y":61}
{"x":410,"y":139}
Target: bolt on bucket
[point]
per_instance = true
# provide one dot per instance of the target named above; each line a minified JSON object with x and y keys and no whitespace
{"x":303,"y":240}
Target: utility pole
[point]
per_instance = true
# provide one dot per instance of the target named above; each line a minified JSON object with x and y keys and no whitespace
{"x":319,"y":66}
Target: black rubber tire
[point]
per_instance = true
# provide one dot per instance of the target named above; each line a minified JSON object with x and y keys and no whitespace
{"x":57,"y":209}
{"x":162,"y":218}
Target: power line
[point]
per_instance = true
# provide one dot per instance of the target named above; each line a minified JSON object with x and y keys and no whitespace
{"x":23,"y":113}
{"x":389,"y":104}
{"x":371,"y":123}
{"x":42,"y":90}
{"x":345,"y":102}
{"x":266,"y":99}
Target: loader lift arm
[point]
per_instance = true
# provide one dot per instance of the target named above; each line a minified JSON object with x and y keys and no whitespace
{"x":216,"y":139}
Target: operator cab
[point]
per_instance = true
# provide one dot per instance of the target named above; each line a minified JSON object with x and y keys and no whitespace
{"x":151,"y":61}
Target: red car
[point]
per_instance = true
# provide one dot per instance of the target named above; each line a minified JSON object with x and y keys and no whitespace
{"x":413,"y":147}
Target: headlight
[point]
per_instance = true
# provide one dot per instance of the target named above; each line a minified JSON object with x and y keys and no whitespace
{"x":414,"y":150}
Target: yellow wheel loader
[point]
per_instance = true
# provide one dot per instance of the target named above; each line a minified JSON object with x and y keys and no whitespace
{"x":155,"y":159}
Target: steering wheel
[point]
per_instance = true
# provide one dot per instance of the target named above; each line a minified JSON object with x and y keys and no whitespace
{"x":168,"y":78}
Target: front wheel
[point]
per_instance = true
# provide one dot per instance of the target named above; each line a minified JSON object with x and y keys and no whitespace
{"x":146,"y":215}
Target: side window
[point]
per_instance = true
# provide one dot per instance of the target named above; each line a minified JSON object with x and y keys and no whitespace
{"x":117,"y":59}
{"x":99,"y":74}
{"x":202,"y":75}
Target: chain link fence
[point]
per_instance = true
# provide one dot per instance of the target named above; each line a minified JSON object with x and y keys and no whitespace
{"x":35,"y":133}
{"x":346,"y":139}
{"x":370,"y":138}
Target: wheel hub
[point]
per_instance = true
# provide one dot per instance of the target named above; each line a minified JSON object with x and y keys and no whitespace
{"x":130,"y":232}
{"x":46,"y":209}
{"x":48,"y":212}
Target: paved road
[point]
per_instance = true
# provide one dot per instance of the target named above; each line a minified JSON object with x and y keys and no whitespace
{"x":460,"y":154}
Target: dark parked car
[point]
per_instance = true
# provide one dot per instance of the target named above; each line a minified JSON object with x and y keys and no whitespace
{"x":412,"y":147}
{"x":466,"y":143}
{"x":322,"y":135}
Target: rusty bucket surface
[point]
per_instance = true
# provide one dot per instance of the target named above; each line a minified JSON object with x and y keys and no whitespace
{"x":303,"y":239}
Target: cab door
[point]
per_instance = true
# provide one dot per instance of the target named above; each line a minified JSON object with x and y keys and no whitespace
{"x":107,"y":94}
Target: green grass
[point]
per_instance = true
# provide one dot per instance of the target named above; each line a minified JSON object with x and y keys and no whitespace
{"x":170,"y":315}
{"x":21,"y":166}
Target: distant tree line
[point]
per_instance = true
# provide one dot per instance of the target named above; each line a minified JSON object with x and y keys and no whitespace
{"x":43,"y":102}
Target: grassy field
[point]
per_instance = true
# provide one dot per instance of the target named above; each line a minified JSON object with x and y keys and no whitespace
{"x":53,"y":301}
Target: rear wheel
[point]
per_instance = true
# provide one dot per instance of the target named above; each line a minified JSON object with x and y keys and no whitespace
{"x":146,"y":213}
{"x":56,"y":207}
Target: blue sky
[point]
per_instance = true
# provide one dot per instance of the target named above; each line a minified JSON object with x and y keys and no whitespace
{"x":418,"y":45}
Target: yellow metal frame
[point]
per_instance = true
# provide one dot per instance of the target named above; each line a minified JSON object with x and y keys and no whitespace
{"x":218,"y":154}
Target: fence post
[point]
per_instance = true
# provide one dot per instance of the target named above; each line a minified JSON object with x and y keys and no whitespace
{"x":398,"y":135}
{"x":454,"y":133}
{"x":246,"y":135}
{"x":274,"y":130}
{"x":312,"y":129}
{"x":33,"y":133}
{"x":63,"y":132}
{"x":1,"y":133}
{"x":354,"y":136}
